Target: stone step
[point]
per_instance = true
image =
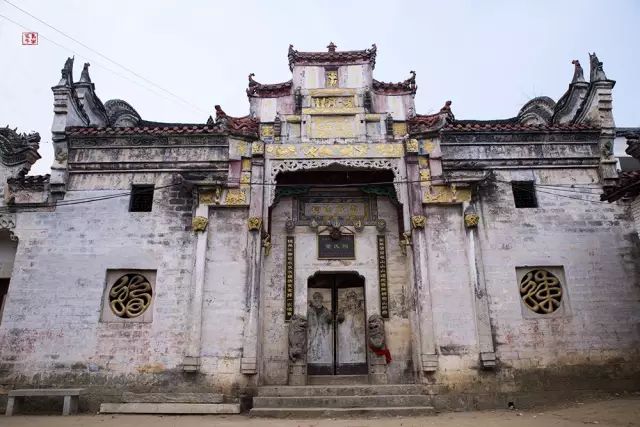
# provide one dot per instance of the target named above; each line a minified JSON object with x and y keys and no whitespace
{"x":382,"y":411}
{"x":342,"y":390}
{"x":169,"y":408}
{"x":128,"y":397}
{"x":397,"y":400}
{"x":337,"y":379}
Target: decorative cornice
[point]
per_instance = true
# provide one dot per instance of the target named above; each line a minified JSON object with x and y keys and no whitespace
{"x":332,"y":57}
{"x":259,"y":90}
{"x":401,"y":88}
{"x":420,"y":124}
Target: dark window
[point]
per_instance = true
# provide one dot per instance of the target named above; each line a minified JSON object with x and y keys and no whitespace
{"x":4,"y":289}
{"x":141,"y":198}
{"x":524,"y":194}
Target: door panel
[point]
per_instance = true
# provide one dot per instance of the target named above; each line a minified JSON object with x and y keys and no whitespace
{"x":320,"y":331}
{"x":336,"y":328}
{"x":351,"y":349}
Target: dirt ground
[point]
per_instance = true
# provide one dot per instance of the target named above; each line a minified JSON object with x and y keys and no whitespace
{"x":624,"y":411}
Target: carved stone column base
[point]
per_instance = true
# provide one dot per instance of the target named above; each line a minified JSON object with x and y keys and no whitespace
{"x":429,"y":362}
{"x":191,"y":364}
{"x":297,"y":373}
{"x":248,"y":366}
{"x":488,"y":360}
{"x":377,"y":369}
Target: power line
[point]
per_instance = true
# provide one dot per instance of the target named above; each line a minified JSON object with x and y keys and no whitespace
{"x":106,"y":57}
{"x":96,"y":63}
{"x":551,"y":193}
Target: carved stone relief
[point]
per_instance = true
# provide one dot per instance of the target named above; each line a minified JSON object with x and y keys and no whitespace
{"x":297,"y":338}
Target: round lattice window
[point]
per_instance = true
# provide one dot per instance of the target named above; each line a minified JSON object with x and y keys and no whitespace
{"x":541,"y":291}
{"x":130,"y":296}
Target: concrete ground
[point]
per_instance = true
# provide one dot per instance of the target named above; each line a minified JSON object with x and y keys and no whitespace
{"x":620,"y":411}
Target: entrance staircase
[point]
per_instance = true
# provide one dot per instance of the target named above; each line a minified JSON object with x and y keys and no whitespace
{"x":340,"y":396}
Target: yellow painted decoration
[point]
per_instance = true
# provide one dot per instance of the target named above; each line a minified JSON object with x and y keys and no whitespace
{"x":412,"y":145}
{"x":257,"y":148}
{"x":236,"y":197}
{"x":389,"y":150}
{"x":301,"y":151}
{"x":246,"y":164}
{"x":418,"y":221}
{"x":254,"y":223}
{"x":331,"y":78}
{"x":333,"y":127}
{"x":471,"y":220}
{"x":245,"y":178}
{"x":266,"y":131}
{"x":425,"y":177}
{"x":399,"y":128}
{"x":210,"y":197}
{"x":446,"y":194}
{"x":199,"y":223}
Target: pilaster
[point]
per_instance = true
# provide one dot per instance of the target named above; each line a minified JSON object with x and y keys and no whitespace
{"x":428,"y":357}
{"x":476,"y":279}
{"x":258,"y":231}
{"x":191,"y":361}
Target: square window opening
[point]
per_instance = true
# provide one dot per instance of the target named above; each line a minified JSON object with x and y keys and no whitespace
{"x":524,"y":194}
{"x":141,"y":198}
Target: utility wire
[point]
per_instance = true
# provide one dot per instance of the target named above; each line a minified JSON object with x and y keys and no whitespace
{"x":106,"y":57}
{"x":6,"y":209}
{"x":96,"y":63}
{"x":551,"y":193}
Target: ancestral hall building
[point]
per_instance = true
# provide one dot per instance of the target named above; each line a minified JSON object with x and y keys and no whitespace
{"x":331,"y":235}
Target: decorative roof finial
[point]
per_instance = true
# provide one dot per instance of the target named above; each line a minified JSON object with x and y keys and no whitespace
{"x":332,"y":47}
{"x":84,"y":77}
{"x":67,"y":73}
{"x":578,"y":74}
{"x":446,"y":108}
{"x":597,"y":72}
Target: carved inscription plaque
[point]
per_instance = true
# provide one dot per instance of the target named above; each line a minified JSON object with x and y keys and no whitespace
{"x":289,"y":277}
{"x":333,"y":127}
{"x":342,"y":248}
{"x":333,"y":102}
{"x":346,"y":207}
{"x":382,"y":277}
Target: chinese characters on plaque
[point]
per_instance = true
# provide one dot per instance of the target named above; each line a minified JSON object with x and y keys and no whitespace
{"x":29,"y":38}
{"x":342,"y":248}
{"x":289,"y":277}
{"x":382,"y":277}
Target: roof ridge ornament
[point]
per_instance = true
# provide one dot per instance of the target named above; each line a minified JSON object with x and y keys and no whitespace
{"x":578,"y":73}
{"x":67,"y":73}
{"x":331,"y":47}
{"x":597,"y":72}
{"x":84,"y":77}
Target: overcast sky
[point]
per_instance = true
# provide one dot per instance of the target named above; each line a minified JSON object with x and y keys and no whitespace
{"x":488,"y":57}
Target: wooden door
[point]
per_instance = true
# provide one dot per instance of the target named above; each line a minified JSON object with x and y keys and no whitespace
{"x":336,"y":325}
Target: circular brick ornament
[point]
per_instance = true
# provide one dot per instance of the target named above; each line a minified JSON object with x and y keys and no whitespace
{"x":130,"y":296}
{"x":541,"y":291}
